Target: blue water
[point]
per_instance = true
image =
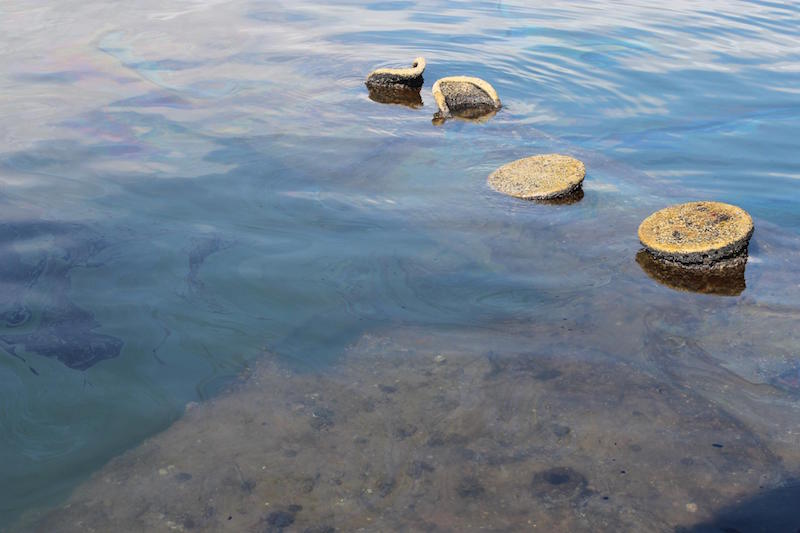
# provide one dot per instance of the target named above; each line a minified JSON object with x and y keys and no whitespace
{"x":187,"y":184}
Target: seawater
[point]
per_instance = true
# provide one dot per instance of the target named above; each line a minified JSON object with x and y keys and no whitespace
{"x":195,"y":191}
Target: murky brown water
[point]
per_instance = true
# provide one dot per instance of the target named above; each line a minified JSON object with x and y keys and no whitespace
{"x":494,"y":429}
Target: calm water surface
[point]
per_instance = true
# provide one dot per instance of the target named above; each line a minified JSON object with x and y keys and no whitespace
{"x":188,"y":185}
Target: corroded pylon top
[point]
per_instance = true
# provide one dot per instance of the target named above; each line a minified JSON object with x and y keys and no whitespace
{"x":398,"y":76}
{"x":697,"y":232}
{"x":457,"y":93}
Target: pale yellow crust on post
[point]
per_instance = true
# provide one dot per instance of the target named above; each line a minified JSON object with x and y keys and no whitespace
{"x":415,"y":71}
{"x":540,"y":177}
{"x":697,"y":232}
{"x":483,"y":85}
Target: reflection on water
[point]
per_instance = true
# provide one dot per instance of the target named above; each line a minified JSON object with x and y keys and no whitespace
{"x":477,"y":115}
{"x":768,"y":510}
{"x":726,"y":279}
{"x":184,"y":184}
{"x":407,"y":96}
